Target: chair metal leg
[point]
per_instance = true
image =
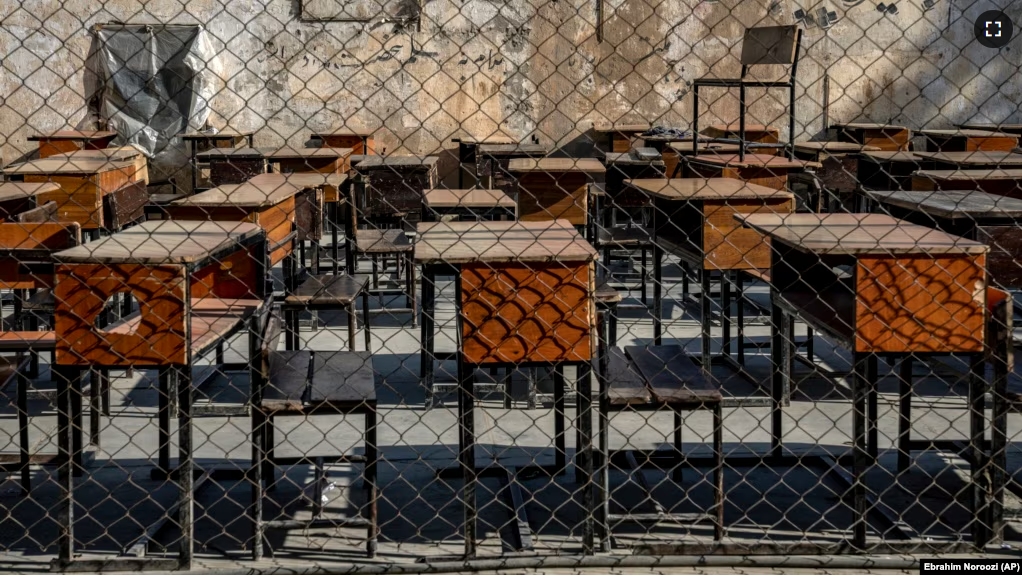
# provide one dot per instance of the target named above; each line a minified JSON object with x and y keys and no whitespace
{"x":372,"y":486}
{"x":23,"y":441}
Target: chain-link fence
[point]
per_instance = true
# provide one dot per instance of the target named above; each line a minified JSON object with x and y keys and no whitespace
{"x":388,"y":285}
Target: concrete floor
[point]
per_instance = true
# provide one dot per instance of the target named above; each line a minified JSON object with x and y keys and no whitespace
{"x":420,"y":514}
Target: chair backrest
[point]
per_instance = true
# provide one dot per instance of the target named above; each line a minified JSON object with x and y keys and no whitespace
{"x":309,"y":214}
{"x":770,"y":45}
{"x":45,"y":213}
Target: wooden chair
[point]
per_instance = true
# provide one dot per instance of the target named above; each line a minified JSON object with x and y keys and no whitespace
{"x":304,"y":383}
{"x":381,"y":243}
{"x":650,"y":379}
{"x":768,"y":45}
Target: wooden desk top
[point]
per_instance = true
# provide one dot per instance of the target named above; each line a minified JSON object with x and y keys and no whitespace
{"x":952,"y":204}
{"x":857,"y":234}
{"x":18,"y":190}
{"x":867,"y":126}
{"x":736,"y":128}
{"x":974,"y":158}
{"x":754,"y":161}
{"x":891,"y":156}
{"x":708,"y":148}
{"x":587,"y":165}
{"x":218,"y":135}
{"x":964,"y":133}
{"x":247,"y":195}
{"x":513,"y":150}
{"x":993,"y":127}
{"x":74,"y":135}
{"x":374,"y":162}
{"x":298,"y":180}
{"x":705,"y":189}
{"x":627,"y":159}
{"x":975,"y":174}
{"x":833,"y":147}
{"x":289,"y":153}
{"x":474,"y":198}
{"x":115,"y":154}
{"x":360,"y":132}
{"x":604,"y":128}
{"x":472,"y":242}
{"x":162,"y":242}
{"x":67,"y":165}
{"x":239,"y":153}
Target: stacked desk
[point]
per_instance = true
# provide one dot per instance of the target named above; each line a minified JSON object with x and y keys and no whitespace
{"x":197,"y":283}
{"x":472,"y":204}
{"x":324,"y":160}
{"x":63,"y":141}
{"x":205,"y":141}
{"x":18,"y":197}
{"x":763,"y":169}
{"x":962,"y":140}
{"x":886,"y":137}
{"x":360,"y":141}
{"x":837,"y":176}
{"x":555,"y":188}
{"x":233,"y":165}
{"x":619,"y":138}
{"x":84,"y":185}
{"x":907,"y":291}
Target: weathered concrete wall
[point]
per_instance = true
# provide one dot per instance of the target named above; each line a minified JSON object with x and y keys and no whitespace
{"x":523,"y":67}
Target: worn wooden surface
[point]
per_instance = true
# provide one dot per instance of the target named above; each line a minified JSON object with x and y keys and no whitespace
{"x":857,"y":234}
{"x":1005,"y":181}
{"x":82,"y":185}
{"x":471,"y":198}
{"x":625,"y":386}
{"x":672,"y":376}
{"x":259,"y":194}
{"x":1007,"y":128}
{"x":621,"y":136}
{"x":116,"y":154}
{"x":887,"y":137}
{"x":324,"y":160}
{"x":330,"y":183}
{"x":759,"y":133}
{"x":975,"y":159}
{"x":729,"y":246}
{"x":63,"y":141}
{"x":527,"y":312}
{"x":544,"y":196}
{"x":360,"y":141}
{"x":161,"y":242}
{"x":43,"y":213}
{"x":493,"y":242}
{"x":125,"y":205}
{"x":328,"y":289}
{"x":920,"y":303}
{"x":396,"y":184}
{"x":557,"y":165}
{"x":705,"y":189}
{"x":233,"y":165}
{"x":769,"y":45}
{"x":952,"y":204}
{"x":962,"y":140}
{"x":817,"y":151}
{"x":22,"y":190}
{"x":761,"y":169}
{"x":30,"y":239}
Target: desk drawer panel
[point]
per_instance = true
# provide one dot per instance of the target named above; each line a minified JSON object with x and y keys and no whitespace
{"x":536,"y":312}
{"x":920,"y":303}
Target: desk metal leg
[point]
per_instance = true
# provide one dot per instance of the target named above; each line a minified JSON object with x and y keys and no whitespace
{"x":872,"y":398}
{"x":979,"y":456}
{"x":860,"y":391}
{"x":725,"y":313}
{"x":466,"y":454}
{"x":740,"y":296}
{"x":65,"y":510}
{"x":585,"y":450}
{"x":560,"y":446}
{"x":779,"y":348}
{"x":658,"y":295}
{"x":185,"y":477}
{"x":426,"y":355}
{"x":163,"y":418}
{"x":602,"y":481}
{"x":705,"y":301}
{"x":904,"y":414}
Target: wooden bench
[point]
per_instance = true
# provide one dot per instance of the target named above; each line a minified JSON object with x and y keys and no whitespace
{"x":328,"y":292}
{"x":650,"y":379}
{"x":303,"y":383}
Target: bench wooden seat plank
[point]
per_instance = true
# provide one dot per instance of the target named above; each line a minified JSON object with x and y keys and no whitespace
{"x":328,"y":290}
{"x":342,"y":378}
{"x":19,"y":340}
{"x":672,"y":376}
{"x":605,"y":293}
{"x":383,"y":242}
{"x":625,"y":387}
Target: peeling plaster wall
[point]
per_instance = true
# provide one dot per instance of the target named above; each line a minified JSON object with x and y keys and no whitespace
{"x":523,"y":67}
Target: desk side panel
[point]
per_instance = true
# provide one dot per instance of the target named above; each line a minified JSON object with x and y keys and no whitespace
{"x":919,"y":303}
{"x":730,"y":246}
{"x":160,"y":336}
{"x":527,"y":313}
{"x":550,"y":196}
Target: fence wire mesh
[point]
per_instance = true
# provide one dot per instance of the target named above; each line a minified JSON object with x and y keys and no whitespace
{"x":381,"y":283}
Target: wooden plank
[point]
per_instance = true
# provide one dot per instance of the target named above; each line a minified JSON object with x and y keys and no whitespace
{"x":45,"y":213}
{"x":887,"y":137}
{"x":125,"y":205}
{"x":858,"y":234}
{"x":759,"y":133}
{"x":493,"y":242}
{"x":472,"y":198}
{"x":962,"y":140}
{"x":68,"y":165}
{"x":360,"y":142}
{"x":265,"y":192}
{"x":84,"y":135}
{"x":672,"y":376}
{"x":328,"y":290}
{"x":343,"y":377}
{"x":287,"y":387}
{"x":1007,"y":128}
{"x":920,"y":303}
{"x":80,"y":196}
{"x":22,"y":340}
{"x":161,"y":242}
{"x":729,"y":246}
{"x":371,"y":163}
{"x":230,"y":277}
{"x":833,"y":148}
{"x":625,"y":386}
{"x":706,"y":189}
{"x":535,"y":312}
{"x":974,"y":159}
{"x":952,"y":204}
{"x":22,"y":190}
{"x":557,"y":165}
{"x":766,"y":161}
{"x":1005,"y":244}
{"x":769,"y":45}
